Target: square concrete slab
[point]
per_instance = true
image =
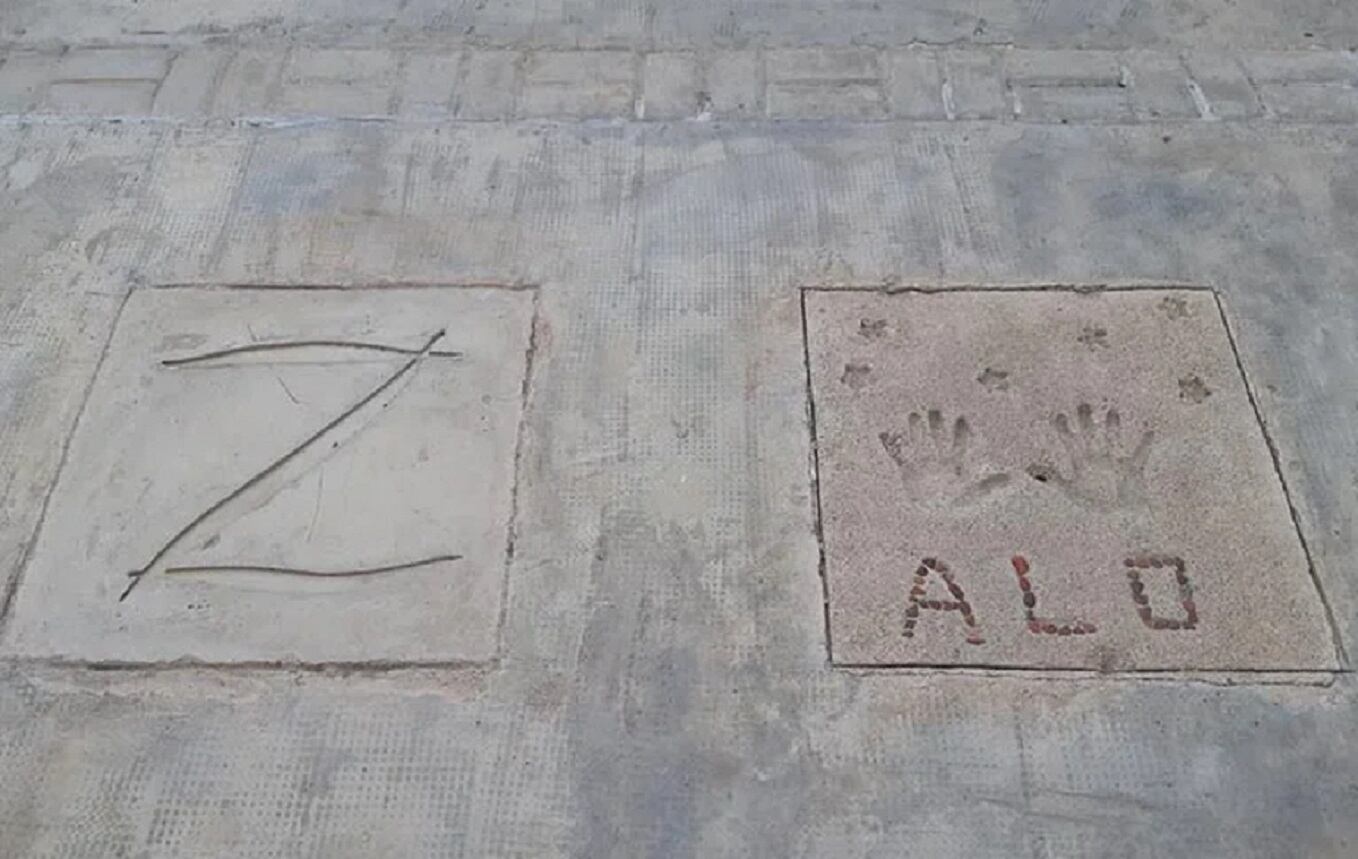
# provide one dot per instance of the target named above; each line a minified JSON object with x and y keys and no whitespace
{"x":1050,"y":479}
{"x":266,"y":476}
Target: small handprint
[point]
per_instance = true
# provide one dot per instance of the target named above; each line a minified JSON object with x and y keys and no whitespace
{"x":1103,"y":474}
{"x":933,"y":462}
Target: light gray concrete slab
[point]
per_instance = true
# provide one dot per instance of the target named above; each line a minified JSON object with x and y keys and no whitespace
{"x":1050,"y":480}
{"x":580,"y":85}
{"x":670,"y":88}
{"x":428,"y":82}
{"x":340,"y":83}
{"x":191,"y":82}
{"x":842,"y":83}
{"x":735,"y":83}
{"x":915,"y":84}
{"x":281,"y":486}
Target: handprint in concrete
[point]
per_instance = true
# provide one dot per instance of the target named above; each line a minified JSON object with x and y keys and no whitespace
{"x":932,"y":459}
{"x":1104,"y":473}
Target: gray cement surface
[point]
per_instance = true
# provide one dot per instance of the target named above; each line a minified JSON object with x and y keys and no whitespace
{"x":1050,"y":479}
{"x":281,"y":477}
{"x":647,"y":192}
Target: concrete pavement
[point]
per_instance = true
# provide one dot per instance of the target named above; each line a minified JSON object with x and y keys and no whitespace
{"x":229,"y":229}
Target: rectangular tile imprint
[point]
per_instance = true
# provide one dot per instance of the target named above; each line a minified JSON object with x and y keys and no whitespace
{"x":280,"y":477}
{"x":1050,"y":479}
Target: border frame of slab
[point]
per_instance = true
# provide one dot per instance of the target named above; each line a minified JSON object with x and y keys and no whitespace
{"x":1228,"y":677}
{"x":532,"y":342}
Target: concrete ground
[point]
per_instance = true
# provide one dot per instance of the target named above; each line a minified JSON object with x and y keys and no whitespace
{"x":581,"y":609}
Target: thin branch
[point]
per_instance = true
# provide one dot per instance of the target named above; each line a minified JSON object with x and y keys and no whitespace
{"x":254,"y":348}
{"x":139,"y":574}
{"x":319,"y":574}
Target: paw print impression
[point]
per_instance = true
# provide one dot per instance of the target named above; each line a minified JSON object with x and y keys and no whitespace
{"x":1093,"y":337}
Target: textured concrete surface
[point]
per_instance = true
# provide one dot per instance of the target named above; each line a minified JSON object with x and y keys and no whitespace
{"x":864,"y":83}
{"x":662,"y":685}
{"x":275,"y":477}
{"x":1050,"y":479}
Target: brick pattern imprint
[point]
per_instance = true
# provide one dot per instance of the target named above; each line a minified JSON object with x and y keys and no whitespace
{"x":792,"y":83}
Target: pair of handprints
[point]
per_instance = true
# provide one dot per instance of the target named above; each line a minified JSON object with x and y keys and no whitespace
{"x":1106,"y":471}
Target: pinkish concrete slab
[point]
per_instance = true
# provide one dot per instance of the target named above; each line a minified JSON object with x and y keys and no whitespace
{"x":302,"y":476}
{"x":1050,"y":479}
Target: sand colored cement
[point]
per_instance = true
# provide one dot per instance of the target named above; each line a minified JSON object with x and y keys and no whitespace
{"x":344,"y":475}
{"x":1096,"y":452}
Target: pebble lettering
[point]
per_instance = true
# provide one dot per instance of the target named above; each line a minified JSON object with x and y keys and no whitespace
{"x":1137,"y":568}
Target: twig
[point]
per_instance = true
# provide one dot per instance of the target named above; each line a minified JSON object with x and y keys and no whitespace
{"x":138,"y":574}
{"x":302,"y":344}
{"x":319,"y":574}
